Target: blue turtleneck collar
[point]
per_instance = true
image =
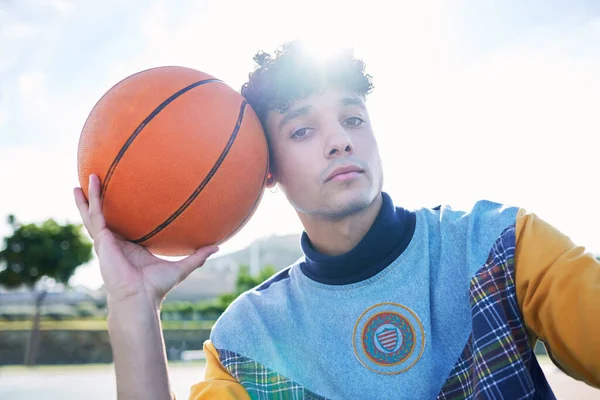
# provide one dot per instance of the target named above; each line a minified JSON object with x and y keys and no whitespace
{"x":387,"y":238}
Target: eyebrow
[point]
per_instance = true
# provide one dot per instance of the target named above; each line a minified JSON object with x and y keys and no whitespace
{"x":292,"y":114}
{"x":352,"y":101}
{"x":299,"y":112}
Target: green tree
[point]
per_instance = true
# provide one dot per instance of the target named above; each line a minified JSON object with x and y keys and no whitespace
{"x":244,"y":282}
{"x":36,"y":252}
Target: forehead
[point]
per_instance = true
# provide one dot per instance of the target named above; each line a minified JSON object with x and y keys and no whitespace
{"x":332,"y":97}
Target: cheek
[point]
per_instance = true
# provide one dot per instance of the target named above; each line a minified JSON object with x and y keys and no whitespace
{"x":366,"y":145}
{"x":286,"y":160}
{"x":297,"y":164}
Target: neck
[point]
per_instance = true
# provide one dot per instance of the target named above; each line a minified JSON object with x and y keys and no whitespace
{"x":339,"y":236}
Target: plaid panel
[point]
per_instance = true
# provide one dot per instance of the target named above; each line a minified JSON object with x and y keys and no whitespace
{"x":497,"y":362}
{"x":459,"y":384}
{"x":261,"y":382}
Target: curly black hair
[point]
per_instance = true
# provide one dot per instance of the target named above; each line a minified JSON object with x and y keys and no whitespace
{"x":292,"y":74}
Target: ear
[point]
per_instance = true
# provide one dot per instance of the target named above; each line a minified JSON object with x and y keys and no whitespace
{"x":271,"y":180}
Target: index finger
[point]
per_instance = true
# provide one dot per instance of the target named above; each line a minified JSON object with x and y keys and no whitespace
{"x":83,"y":207}
{"x":97,"y":221}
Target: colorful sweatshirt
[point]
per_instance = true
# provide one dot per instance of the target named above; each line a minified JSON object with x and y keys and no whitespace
{"x":432,"y":303}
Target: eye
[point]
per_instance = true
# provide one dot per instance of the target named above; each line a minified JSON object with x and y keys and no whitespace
{"x":354,"y":121}
{"x":301,"y":133}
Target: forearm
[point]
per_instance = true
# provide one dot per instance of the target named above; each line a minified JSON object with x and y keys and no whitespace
{"x":138,"y":351}
{"x":558,"y":290}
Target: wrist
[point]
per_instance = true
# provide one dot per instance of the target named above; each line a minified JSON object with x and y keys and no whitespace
{"x":133,"y":313}
{"x":134,"y":302}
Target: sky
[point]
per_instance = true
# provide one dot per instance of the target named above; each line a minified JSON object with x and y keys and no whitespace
{"x":494,"y":100}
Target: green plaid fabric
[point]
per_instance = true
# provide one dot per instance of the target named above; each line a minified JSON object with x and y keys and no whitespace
{"x":260,"y":382}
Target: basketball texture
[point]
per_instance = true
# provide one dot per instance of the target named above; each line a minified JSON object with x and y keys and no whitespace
{"x":182,"y":159}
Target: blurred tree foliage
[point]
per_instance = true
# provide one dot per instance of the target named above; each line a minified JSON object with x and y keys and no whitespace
{"x":36,"y":254}
{"x":212,"y":309}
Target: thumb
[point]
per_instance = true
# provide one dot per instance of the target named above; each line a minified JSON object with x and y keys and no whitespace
{"x":195,"y":260}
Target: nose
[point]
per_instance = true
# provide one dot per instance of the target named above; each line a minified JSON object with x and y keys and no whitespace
{"x":339,"y":143}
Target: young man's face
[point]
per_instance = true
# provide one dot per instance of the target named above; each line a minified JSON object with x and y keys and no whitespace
{"x":316,"y":137}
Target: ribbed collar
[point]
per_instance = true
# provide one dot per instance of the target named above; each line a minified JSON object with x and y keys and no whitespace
{"x":387,"y":238}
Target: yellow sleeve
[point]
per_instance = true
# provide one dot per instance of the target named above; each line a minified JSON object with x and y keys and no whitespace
{"x":558,"y":291}
{"x":218,"y":382}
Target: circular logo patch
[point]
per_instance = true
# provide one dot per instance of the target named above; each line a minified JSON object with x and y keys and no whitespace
{"x":388,"y":338}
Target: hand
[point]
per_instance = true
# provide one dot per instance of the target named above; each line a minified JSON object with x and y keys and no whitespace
{"x":128,"y":269}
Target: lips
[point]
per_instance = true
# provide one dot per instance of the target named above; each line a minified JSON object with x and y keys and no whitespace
{"x":343,"y":170}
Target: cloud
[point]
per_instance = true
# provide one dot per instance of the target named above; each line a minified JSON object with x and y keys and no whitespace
{"x":20,"y":30}
{"x":28,"y":25}
{"x":61,"y":6}
{"x":29,"y":31}
{"x":517,"y":126}
{"x":53,"y":71}
{"x":31,"y":90}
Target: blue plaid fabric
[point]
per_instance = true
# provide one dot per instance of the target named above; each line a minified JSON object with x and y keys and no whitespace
{"x":498,"y":361}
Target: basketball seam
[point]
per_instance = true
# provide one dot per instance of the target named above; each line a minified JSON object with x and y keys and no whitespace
{"x":141,"y":126}
{"x":204,"y":182}
{"x":252,"y":210}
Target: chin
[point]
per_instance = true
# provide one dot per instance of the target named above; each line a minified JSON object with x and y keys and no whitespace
{"x":350,"y":201}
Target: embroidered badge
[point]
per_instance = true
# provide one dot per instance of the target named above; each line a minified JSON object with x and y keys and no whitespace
{"x":388,"y":338}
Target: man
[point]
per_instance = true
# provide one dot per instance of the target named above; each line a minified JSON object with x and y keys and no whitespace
{"x":387,"y":302}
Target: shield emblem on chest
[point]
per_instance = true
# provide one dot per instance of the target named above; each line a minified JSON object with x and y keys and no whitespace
{"x":388,"y":338}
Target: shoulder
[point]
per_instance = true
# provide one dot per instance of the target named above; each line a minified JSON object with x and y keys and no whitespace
{"x":482,"y":214}
{"x":472,"y":232}
{"x":247,"y":316}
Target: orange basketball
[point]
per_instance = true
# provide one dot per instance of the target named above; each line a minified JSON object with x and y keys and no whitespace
{"x":181,"y":156}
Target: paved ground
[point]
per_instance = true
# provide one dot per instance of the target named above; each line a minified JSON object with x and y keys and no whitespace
{"x":97,"y":383}
{"x":565,"y":387}
{"x":84,"y":382}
